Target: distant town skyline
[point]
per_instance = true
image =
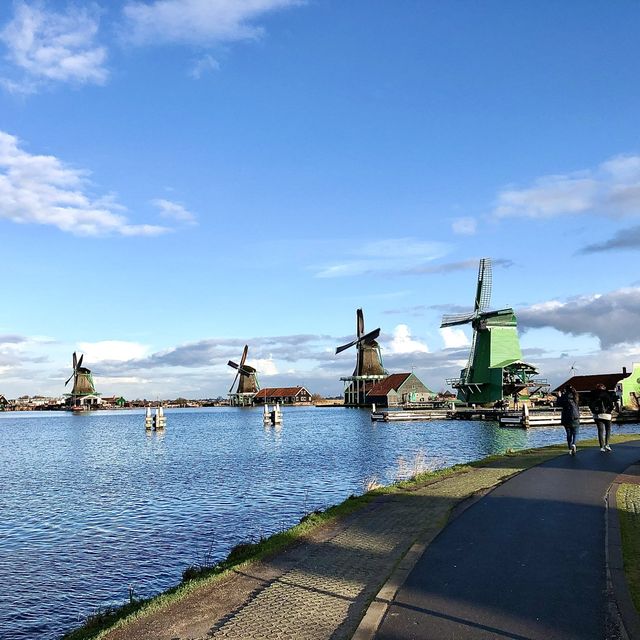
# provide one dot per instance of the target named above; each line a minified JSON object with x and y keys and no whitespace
{"x":181,"y":178}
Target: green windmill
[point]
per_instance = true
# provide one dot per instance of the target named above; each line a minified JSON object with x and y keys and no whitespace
{"x":495,"y":369}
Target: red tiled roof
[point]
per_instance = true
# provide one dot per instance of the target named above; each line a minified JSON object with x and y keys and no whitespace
{"x":279,"y":392}
{"x":588,"y":383}
{"x":390,"y":382}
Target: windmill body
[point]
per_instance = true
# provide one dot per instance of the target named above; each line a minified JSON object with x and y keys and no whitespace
{"x":495,"y":369}
{"x":247,"y":382}
{"x":83,"y":396}
{"x":369,"y":369}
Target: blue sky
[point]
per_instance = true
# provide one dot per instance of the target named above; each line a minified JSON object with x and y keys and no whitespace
{"x":181,"y":177}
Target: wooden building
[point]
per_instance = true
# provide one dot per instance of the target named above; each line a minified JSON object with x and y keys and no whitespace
{"x":399,"y":389}
{"x":283,"y":395}
{"x":113,"y":401}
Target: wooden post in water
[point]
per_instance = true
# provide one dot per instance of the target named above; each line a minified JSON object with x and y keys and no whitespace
{"x":148,"y":420}
{"x":525,"y":416}
{"x":159,"y":421}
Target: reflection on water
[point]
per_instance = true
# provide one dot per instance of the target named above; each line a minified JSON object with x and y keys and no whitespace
{"x":92,"y":503}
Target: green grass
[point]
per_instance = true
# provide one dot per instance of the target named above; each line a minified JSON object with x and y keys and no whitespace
{"x":97,"y":625}
{"x":628,"y":499}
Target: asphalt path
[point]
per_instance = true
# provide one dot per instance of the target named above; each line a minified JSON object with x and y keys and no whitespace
{"x":527,"y":561}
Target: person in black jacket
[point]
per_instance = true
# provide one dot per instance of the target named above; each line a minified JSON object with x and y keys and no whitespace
{"x":601,"y":406}
{"x":570,"y":417}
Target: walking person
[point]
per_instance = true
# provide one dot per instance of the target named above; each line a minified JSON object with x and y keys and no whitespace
{"x":570,"y":417}
{"x":601,"y":406}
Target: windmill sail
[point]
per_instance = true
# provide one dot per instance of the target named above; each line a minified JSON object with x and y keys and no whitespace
{"x":483,"y":291}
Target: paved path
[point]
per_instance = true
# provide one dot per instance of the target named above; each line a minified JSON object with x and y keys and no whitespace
{"x":526,"y":562}
{"x":327,"y":591}
{"x":321,"y":588}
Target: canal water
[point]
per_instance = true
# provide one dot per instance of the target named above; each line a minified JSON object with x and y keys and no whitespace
{"x":91,"y":505}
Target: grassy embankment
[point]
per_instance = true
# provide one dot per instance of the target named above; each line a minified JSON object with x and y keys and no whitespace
{"x":196,"y":577}
{"x":628,"y":499}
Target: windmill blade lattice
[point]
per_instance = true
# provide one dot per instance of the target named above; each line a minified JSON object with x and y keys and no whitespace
{"x":454,"y":319}
{"x":472,"y":353}
{"x":363,"y":339}
{"x":242,"y":369}
{"x":485,"y":278}
{"x":359,"y":323}
{"x":76,"y":365}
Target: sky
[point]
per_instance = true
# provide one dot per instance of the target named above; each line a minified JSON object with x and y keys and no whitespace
{"x":179,"y":178}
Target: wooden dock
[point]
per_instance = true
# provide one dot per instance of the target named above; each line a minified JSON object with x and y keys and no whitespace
{"x":524,"y":419}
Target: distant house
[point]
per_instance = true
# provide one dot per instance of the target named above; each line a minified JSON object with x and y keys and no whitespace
{"x":283,"y":395}
{"x":4,"y":403}
{"x":113,"y":401}
{"x":398,"y":389}
{"x":625,"y":386}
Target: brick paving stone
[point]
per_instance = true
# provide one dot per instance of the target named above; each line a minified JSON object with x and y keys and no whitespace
{"x":326,"y":594}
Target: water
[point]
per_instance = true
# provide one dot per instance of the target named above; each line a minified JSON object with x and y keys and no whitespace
{"x":90,"y":504}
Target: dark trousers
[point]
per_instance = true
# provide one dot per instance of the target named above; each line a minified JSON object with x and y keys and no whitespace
{"x":572,"y":434}
{"x":604,"y":431}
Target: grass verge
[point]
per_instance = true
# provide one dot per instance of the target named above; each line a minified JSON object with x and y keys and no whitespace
{"x":100,"y":623}
{"x":628,"y":500}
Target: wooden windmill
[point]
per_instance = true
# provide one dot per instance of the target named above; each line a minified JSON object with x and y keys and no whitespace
{"x":83,"y":394}
{"x":247,"y":382}
{"x":495,"y":369}
{"x":368,"y":370}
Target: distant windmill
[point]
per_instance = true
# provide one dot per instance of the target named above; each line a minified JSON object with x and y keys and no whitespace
{"x":83,"y":393}
{"x":247,"y":381}
{"x":573,"y":369}
{"x":494,"y":369}
{"x":369,"y":369}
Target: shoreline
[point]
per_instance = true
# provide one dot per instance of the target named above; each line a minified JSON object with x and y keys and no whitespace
{"x":257,"y":556}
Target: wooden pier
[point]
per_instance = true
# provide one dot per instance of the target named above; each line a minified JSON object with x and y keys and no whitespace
{"x":519,"y":419}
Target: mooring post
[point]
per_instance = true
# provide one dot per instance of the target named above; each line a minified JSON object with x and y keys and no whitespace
{"x":148,"y":420}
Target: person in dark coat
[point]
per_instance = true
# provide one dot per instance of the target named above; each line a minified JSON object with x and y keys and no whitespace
{"x":570,"y":417}
{"x":601,"y":405}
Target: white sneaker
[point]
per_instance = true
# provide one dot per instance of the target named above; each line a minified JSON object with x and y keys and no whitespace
{"x":607,"y":447}
{"x":570,"y":451}
{"x":602,"y":449}
{"x":573,"y":449}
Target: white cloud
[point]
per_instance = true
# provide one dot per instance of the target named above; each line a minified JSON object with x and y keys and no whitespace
{"x":203,"y":65}
{"x":454,"y":338}
{"x":464,"y":226}
{"x":613,"y":189}
{"x":53,"y":47}
{"x":38,"y":189}
{"x":112,"y":350}
{"x":174,"y":211}
{"x":118,"y":381}
{"x":402,"y":342}
{"x":264,"y":366}
{"x":203,"y":22}
{"x":390,"y":256}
